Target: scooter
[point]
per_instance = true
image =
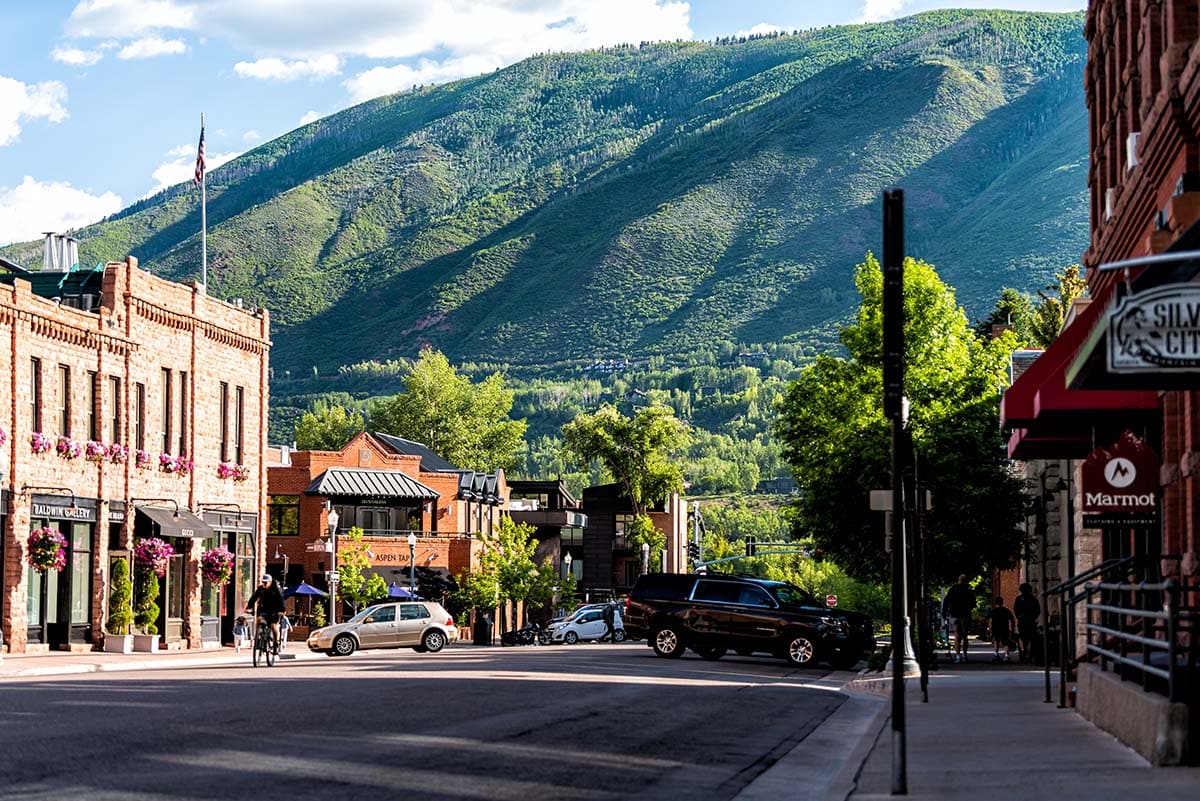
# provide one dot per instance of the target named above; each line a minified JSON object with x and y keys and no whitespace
{"x":529,"y":634}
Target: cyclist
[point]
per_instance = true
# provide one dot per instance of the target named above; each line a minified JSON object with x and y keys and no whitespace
{"x":267,"y":603}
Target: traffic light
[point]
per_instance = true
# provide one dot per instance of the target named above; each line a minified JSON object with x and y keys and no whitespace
{"x":817,"y":555}
{"x":750,"y":546}
{"x":693,"y":551}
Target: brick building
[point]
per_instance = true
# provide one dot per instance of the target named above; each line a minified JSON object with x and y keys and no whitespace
{"x":116,"y":356}
{"x":390,"y":488}
{"x":1121,"y":378}
{"x":611,"y":563}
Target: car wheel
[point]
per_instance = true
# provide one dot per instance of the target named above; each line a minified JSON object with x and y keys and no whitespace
{"x":800,"y":651}
{"x":420,"y":649}
{"x":619,"y":635}
{"x":543,"y":637}
{"x":710,"y":652}
{"x":433,"y":641}
{"x":344,"y":645}
{"x":668,"y":643}
{"x":744,"y":651}
{"x":570,"y":638}
{"x":844,"y":660}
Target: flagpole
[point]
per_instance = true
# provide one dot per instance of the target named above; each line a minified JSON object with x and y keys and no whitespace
{"x":203,"y":219}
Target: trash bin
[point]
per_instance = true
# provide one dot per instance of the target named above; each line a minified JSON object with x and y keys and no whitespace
{"x":483,"y":629}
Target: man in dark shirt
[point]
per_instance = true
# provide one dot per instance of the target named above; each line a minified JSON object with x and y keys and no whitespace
{"x":1027,"y":610}
{"x":267,"y":603}
{"x":958,"y":606}
{"x":1000,"y":624}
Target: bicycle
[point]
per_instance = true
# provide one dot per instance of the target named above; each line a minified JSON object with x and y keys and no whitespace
{"x":265,"y":644}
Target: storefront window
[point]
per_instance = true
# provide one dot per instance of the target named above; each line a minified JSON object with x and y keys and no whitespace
{"x":210,"y":594}
{"x":81,"y":573}
{"x":33,"y":603}
{"x":175,"y":582}
{"x":285,"y":516}
{"x":246,"y":579}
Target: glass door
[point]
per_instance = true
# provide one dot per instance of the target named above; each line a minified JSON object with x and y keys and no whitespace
{"x":79,"y":586}
{"x":210,"y":601}
{"x":173,"y":593}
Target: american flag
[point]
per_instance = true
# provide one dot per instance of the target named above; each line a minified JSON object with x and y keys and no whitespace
{"x":200,"y":159}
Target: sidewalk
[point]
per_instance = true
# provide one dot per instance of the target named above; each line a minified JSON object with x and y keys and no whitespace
{"x":986,"y":733}
{"x":62,"y":663}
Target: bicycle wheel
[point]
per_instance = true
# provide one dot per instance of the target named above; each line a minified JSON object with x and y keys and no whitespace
{"x":258,"y":647}
{"x":270,"y":647}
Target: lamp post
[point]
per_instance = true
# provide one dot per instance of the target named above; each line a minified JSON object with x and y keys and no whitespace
{"x":286,"y":562}
{"x":412,"y":562}
{"x":332,"y":525}
{"x":645,"y":558}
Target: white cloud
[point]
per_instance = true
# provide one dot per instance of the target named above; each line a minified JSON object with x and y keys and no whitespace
{"x":878,"y":10}
{"x":20,"y":102}
{"x":180,"y":166}
{"x":252,"y":136}
{"x":309,"y":116}
{"x":386,"y":80}
{"x":277,"y":69}
{"x":151,"y":46}
{"x":75,"y":57}
{"x":33,"y":207}
{"x":128,"y":18}
{"x":762,"y":28}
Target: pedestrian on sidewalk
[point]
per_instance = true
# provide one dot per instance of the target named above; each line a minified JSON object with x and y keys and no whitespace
{"x":285,"y":627}
{"x":1027,"y":610}
{"x":1000,"y":625}
{"x":957,"y":606}
{"x":610,"y":617}
{"x":241,"y":634}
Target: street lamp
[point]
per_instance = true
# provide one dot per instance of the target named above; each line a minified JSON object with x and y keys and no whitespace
{"x":286,"y":560}
{"x":412,"y":562}
{"x":332,"y":525}
{"x":645,"y":558}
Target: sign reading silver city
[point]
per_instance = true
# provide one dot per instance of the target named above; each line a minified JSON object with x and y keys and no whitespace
{"x":1155,"y":331}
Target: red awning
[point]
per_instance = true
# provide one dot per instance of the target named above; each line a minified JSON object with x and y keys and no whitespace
{"x":1052,"y":421}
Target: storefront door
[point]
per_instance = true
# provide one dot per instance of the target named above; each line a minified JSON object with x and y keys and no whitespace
{"x":210,"y":601}
{"x":172,"y":593}
{"x":59,"y":601}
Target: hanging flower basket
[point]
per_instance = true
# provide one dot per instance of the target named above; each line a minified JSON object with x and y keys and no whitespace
{"x":217,"y":565}
{"x":238,"y":472}
{"x":142,"y":460}
{"x":95,"y":451}
{"x":3,"y":436}
{"x":47,"y":549}
{"x":68,"y":448}
{"x":184,"y":465}
{"x":179,"y":465}
{"x":40,"y":443}
{"x":152,"y":553}
{"x":118,"y":453}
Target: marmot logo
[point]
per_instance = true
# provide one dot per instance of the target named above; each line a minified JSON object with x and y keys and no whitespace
{"x":1120,"y":472}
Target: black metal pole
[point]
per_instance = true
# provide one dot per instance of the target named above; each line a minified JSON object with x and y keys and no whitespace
{"x":1041,"y":522}
{"x":893,"y":403}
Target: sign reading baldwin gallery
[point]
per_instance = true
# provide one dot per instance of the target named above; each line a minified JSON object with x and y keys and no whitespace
{"x":1156,"y":331}
{"x":1120,"y":484}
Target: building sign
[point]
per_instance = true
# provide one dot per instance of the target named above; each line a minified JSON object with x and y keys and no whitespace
{"x":1156,"y":331}
{"x":62,"y":512}
{"x":1119,"y":484}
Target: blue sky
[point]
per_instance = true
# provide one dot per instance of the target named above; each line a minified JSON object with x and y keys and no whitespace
{"x":100,"y":100}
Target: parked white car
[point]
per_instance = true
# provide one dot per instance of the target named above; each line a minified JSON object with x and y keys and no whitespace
{"x":587,"y":624}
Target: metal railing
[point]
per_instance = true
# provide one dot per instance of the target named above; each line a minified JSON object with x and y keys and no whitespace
{"x":1131,"y":624}
{"x":398,"y":533}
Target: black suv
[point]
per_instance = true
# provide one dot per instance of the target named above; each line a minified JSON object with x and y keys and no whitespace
{"x":712,"y":614}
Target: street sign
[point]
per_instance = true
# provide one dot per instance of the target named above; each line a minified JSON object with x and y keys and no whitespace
{"x":333,"y":576}
{"x":831,"y":600}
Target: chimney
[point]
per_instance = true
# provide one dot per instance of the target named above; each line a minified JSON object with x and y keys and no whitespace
{"x":59,"y":252}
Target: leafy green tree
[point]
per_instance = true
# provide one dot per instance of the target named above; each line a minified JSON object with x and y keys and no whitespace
{"x":1054,"y":302}
{"x":329,"y":429}
{"x":638,"y":453}
{"x":836,"y":439}
{"x":467,"y":424}
{"x":508,"y":554}
{"x":1014,"y":309}
{"x":356,"y":588}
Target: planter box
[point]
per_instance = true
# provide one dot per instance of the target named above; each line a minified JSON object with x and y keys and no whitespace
{"x":145,"y":643}
{"x":118,"y":643}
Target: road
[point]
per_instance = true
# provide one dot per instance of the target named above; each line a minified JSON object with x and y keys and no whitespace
{"x":561,"y":722}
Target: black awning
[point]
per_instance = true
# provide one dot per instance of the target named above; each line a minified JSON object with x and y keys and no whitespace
{"x":173,"y":523}
{"x":354,"y":482}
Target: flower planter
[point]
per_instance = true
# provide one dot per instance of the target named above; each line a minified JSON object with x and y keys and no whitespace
{"x":119,"y":643}
{"x":145,"y":643}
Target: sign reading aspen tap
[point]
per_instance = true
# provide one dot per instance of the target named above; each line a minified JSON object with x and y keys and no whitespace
{"x":1156,"y":331}
{"x":1120,"y":484}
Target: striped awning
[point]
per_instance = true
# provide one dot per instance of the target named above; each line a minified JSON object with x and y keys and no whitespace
{"x":363,"y":483}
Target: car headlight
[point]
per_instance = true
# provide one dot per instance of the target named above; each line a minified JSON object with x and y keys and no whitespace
{"x":835,"y":623}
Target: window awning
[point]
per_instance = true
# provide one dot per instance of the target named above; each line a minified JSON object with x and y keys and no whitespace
{"x":358,"y":482}
{"x":172,"y":523}
{"x":1051,"y":420}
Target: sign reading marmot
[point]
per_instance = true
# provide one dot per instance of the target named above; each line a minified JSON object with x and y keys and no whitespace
{"x":1156,"y":331}
{"x":1122,"y":480}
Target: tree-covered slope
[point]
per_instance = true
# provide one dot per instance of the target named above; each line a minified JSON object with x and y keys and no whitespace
{"x":644,"y":200}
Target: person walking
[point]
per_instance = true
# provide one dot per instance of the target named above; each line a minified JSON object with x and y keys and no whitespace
{"x":610,"y":617}
{"x":1027,"y":610}
{"x":1000,"y":626}
{"x":285,"y":628}
{"x":957,"y":606}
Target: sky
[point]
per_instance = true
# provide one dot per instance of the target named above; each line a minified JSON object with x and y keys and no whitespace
{"x":100,"y":100}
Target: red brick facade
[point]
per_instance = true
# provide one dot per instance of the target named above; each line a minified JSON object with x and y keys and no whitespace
{"x":113,"y":363}
{"x":1143,"y":95}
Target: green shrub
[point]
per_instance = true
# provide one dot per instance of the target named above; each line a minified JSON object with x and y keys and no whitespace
{"x":120,"y":615}
{"x":147,"y":604}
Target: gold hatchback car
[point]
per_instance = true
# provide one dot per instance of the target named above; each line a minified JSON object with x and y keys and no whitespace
{"x":423,"y":626}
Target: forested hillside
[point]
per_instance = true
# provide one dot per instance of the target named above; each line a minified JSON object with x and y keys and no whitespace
{"x":652,"y":201}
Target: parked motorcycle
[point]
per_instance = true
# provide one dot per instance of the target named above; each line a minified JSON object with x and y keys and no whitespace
{"x":529,"y":634}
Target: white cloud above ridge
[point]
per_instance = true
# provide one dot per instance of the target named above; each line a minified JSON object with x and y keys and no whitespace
{"x":20,"y":102}
{"x":75,"y":57}
{"x":763,"y":28}
{"x":310,"y":116}
{"x":277,"y":69}
{"x":180,"y":166}
{"x":879,"y":10}
{"x":33,"y":207}
{"x":151,"y":46}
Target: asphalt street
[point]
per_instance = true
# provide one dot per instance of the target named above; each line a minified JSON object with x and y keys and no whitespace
{"x":562,"y":722}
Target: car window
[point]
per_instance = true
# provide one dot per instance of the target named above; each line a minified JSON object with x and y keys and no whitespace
{"x":588,"y":617}
{"x":383,"y":614}
{"x":753,"y":596}
{"x":793,"y":596}
{"x":413,"y":612}
{"x":719,"y":591}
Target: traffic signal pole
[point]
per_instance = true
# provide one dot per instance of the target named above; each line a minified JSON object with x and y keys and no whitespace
{"x":893,"y":408}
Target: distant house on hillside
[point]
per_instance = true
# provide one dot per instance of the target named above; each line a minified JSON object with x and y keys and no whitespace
{"x":608,"y":366}
{"x":780,"y":485}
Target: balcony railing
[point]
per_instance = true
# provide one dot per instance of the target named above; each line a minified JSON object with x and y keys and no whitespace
{"x":403,"y":533}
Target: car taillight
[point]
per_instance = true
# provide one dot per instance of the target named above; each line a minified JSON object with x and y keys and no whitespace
{"x":449,"y":621}
{"x":627,"y":599}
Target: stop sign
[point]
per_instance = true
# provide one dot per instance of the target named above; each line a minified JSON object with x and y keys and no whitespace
{"x":831,"y":600}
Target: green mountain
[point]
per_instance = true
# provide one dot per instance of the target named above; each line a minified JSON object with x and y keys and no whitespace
{"x":644,"y":200}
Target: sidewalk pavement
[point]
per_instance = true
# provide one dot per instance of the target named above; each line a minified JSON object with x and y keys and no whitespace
{"x":62,"y":663}
{"x":986,"y":733}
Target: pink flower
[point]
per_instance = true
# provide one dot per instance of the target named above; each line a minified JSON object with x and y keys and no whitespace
{"x":47,"y":549}
{"x":95,"y":451}
{"x":217,"y":565}
{"x":118,"y":453}
{"x":68,"y":448}
{"x":40,"y":443}
{"x":142,"y":460}
{"x":153,"y":553}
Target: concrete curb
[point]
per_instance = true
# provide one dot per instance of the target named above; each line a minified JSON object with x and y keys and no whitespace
{"x":80,"y":668}
{"x":807,"y":773}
